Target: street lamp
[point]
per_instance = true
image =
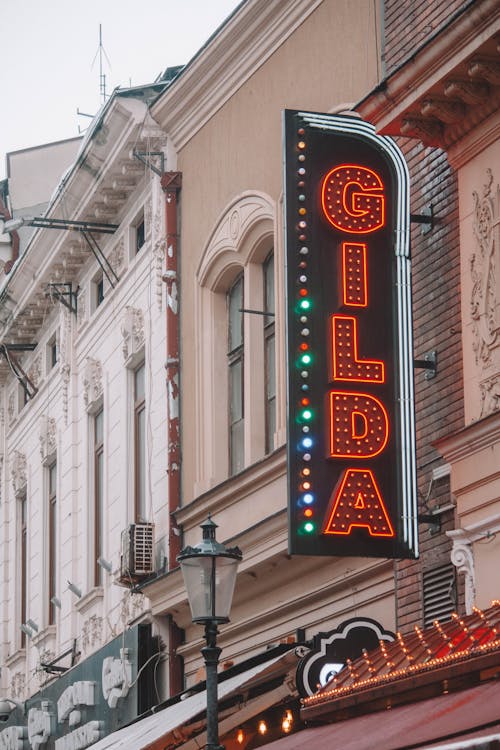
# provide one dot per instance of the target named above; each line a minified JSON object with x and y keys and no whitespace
{"x":209,"y":570}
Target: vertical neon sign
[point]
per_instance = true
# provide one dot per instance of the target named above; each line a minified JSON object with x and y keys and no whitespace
{"x":351,"y":444}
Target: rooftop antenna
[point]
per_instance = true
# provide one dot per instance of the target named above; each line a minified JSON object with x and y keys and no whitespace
{"x":102,"y":76}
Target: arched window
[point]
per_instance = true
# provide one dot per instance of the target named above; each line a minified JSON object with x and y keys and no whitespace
{"x":236,"y":389}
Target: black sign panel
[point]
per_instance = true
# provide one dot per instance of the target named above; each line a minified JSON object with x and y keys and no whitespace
{"x":351,"y":447}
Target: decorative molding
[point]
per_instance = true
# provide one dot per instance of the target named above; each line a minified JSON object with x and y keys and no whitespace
{"x":462,"y":558}
{"x":250,"y":37}
{"x":132,"y":329}
{"x":159,"y":248}
{"x":92,"y":384}
{"x":117,"y":256}
{"x":18,"y":685}
{"x":92,"y":633}
{"x":81,"y":314}
{"x":18,"y":474}
{"x":11,"y":407}
{"x":35,"y":371}
{"x":47,"y":437}
{"x":484,"y":274}
{"x":248,"y":213}
{"x":490,"y":395}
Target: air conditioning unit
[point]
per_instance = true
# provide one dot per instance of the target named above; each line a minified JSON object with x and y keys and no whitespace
{"x":137,"y":552}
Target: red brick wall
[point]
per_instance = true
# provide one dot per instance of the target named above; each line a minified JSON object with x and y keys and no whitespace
{"x":437,"y":326}
{"x":410,"y":23}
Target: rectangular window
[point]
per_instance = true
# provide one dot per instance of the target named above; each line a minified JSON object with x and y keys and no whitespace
{"x":97,"y":291}
{"x":52,"y":353}
{"x":236,"y":375}
{"x":23,"y":544}
{"x":98,"y":446}
{"x":140,"y":444}
{"x":52,"y":540}
{"x":269,"y":352}
{"x":140,"y":236}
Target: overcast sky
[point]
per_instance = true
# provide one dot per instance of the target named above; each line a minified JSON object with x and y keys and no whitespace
{"x":50,"y":59}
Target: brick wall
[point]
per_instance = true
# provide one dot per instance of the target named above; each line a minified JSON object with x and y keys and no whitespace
{"x":410,"y":23}
{"x":437,"y":326}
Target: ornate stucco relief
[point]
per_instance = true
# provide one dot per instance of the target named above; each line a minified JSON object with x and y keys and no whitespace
{"x":484,"y":304}
{"x":92,"y":383}
{"x":47,"y":437}
{"x":65,"y":359}
{"x":117,"y":256}
{"x":92,"y":633}
{"x":132,"y":329}
{"x":18,"y":473}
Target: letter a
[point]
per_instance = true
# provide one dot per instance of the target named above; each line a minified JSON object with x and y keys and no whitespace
{"x":357,"y":502}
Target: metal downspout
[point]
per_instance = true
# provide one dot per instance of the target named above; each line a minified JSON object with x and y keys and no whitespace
{"x":171,"y":185}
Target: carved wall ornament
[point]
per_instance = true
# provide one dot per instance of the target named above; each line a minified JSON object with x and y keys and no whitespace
{"x":65,"y":350}
{"x":18,"y":685}
{"x":484,"y":273}
{"x":91,"y":633}
{"x":159,"y":248}
{"x":18,"y":474}
{"x":132,"y":329}
{"x":48,"y":438}
{"x":35,"y":371}
{"x":82,"y":312}
{"x":490,"y":395}
{"x":11,"y":407}
{"x":463,"y":559}
{"x":92,"y":383}
{"x":117,"y":256}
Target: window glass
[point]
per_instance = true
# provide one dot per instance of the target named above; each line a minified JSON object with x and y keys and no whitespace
{"x":52,"y":487}
{"x":98,"y":494}
{"x":140,"y":444}
{"x":236,"y":376}
{"x":269,"y":352}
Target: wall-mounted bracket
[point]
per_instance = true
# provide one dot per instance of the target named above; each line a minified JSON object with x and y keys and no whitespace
{"x":256,"y":312}
{"x":7,"y":350}
{"x":106,"y":266}
{"x":65,"y":294}
{"x":426,"y":218}
{"x":434,"y":521}
{"x":144,"y":156}
{"x":428,"y":363}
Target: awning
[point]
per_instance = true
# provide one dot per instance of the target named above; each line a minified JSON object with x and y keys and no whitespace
{"x":445,"y":720}
{"x":170,"y":720}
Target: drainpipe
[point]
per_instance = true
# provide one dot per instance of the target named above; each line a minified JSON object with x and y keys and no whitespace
{"x":171,"y":184}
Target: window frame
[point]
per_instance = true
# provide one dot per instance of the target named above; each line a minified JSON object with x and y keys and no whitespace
{"x":235,"y":359}
{"x":139,"y":445}
{"x":240,"y":242}
{"x":23,"y":554}
{"x":52,"y":540}
{"x":269,"y":336}
{"x":98,"y":492}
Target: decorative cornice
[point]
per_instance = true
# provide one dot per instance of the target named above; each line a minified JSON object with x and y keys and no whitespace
{"x":448,"y":87}
{"x":240,"y":48}
{"x":471,"y":439}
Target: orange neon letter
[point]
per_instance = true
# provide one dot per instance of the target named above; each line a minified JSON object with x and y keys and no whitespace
{"x":354,"y":275}
{"x":346,"y":365}
{"x":357,"y":501}
{"x":353,"y":199}
{"x":359,"y":425}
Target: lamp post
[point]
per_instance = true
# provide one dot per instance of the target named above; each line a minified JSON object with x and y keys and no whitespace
{"x":209,"y":570}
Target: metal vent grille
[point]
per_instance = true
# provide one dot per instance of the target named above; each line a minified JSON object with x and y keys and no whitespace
{"x":137,"y":551}
{"x":440,"y":598}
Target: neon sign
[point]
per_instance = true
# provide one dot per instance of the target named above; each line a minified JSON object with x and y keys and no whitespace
{"x":351,"y":444}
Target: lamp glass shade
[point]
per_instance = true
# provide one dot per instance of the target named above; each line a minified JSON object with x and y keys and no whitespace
{"x":209,"y":581}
